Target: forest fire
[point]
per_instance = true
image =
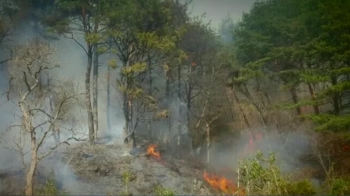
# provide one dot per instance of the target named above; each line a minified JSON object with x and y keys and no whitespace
{"x":222,"y":184}
{"x":152,"y":150}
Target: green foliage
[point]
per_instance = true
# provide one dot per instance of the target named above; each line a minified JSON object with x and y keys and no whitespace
{"x":161,"y":191}
{"x":340,"y":187}
{"x":330,"y":122}
{"x":93,"y":37}
{"x":297,"y":43}
{"x":136,"y":68}
{"x":300,"y":188}
{"x":126,"y":179}
{"x":260,"y":175}
{"x":113,"y":63}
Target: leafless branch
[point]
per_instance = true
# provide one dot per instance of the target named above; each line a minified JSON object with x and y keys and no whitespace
{"x":57,"y":145}
{"x":76,"y":41}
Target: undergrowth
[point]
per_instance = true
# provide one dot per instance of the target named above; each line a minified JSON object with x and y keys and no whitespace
{"x":260,"y":176}
{"x":162,"y":191}
{"x":49,"y":188}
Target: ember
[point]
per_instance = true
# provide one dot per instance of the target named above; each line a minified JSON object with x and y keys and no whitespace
{"x":151,"y":150}
{"x":222,"y":184}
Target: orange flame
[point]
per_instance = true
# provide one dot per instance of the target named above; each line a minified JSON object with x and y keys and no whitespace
{"x":222,"y":184}
{"x":151,"y":150}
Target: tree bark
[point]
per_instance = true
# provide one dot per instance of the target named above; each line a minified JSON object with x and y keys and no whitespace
{"x":336,"y":97}
{"x":34,"y":159}
{"x":109,"y":99}
{"x":95,"y":91}
{"x":88,"y":98}
{"x":207,"y":126}
{"x":189,"y":97}
{"x":149,"y":119}
{"x":28,"y":127}
{"x":241,"y":109}
{"x":179,"y":102}
{"x":126,"y":114}
{"x":167,"y":96}
{"x":313,"y":97}
{"x":131,"y":127}
{"x":295,"y":98}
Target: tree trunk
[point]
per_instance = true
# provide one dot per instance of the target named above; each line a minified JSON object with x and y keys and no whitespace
{"x":189,"y":95}
{"x":149,"y":119}
{"x":95,"y":91}
{"x":179,"y":102}
{"x":150,"y":75}
{"x":131,"y":126}
{"x":167,"y":96}
{"x":189,"y":104}
{"x":336,"y":97}
{"x":207,"y":126}
{"x":126,"y":114}
{"x":30,"y":174}
{"x":295,"y":98}
{"x":313,"y":97}
{"x":241,"y":109}
{"x":88,"y":98}
{"x":109,"y":99}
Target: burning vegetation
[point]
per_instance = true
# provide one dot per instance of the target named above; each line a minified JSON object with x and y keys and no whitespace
{"x":152,"y":150}
{"x":222,"y":184}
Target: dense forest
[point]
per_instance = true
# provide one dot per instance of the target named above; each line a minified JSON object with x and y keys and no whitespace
{"x":193,"y":90}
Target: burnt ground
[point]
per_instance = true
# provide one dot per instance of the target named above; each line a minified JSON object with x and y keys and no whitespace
{"x":81,"y":169}
{"x":100,"y":169}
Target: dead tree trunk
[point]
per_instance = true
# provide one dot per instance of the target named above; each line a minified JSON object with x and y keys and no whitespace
{"x":95,"y":90}
{"x":88,"y":98}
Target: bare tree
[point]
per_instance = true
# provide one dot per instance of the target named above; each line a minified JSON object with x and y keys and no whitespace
{"x":30,"y":62}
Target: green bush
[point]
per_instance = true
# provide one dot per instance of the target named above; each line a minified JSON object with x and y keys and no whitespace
{"x":299,"y":188}
{"x":260,"y":175}
{"x":338,"y":186}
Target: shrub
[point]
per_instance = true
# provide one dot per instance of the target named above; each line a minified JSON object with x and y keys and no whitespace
{"x":260,"y":175}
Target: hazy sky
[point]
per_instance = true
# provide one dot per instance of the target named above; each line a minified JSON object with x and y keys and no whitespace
{"x":217,"y":9}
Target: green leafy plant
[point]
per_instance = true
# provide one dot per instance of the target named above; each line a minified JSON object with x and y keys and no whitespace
{"x":126,"y":181}
{"x":260,"y":175}
{"x":160,"y":190}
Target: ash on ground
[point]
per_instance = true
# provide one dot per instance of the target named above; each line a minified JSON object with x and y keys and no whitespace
{"x":99,"y":170}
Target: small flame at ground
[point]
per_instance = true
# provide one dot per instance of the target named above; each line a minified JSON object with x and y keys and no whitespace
{"x":151,"y":150}
{"x":222,"y":184}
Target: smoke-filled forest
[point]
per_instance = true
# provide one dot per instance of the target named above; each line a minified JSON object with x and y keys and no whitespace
{"x":135,"y":97}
